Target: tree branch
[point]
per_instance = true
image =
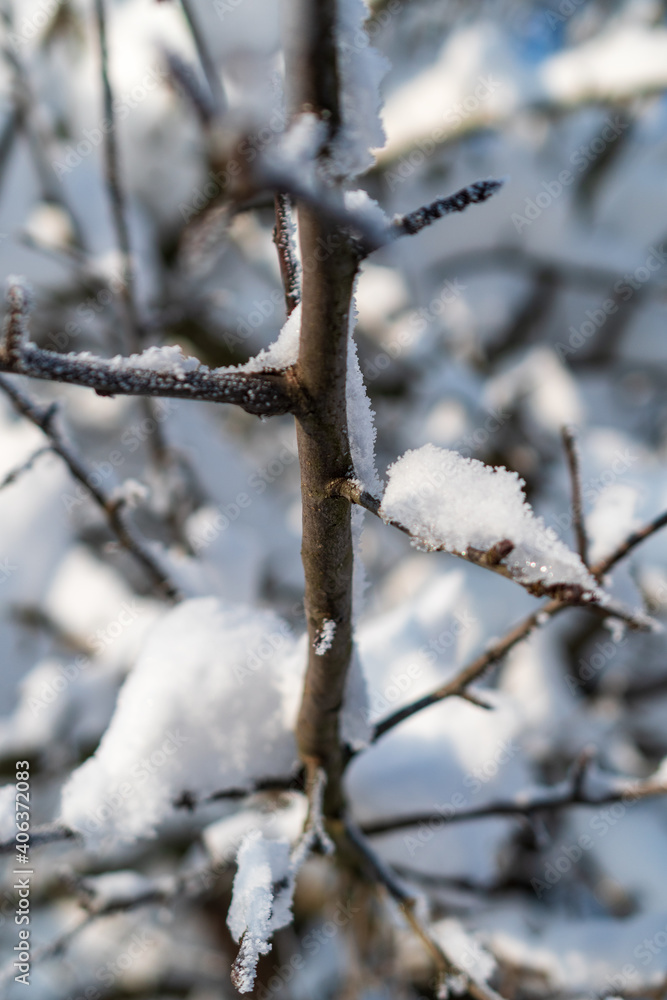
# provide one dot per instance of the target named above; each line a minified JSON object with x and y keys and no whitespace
{"x":283,"y":237}
{"x":115,"y":188}
{"x":574,"y":465}
{"x":262,"y":393}
{"x":457,"y":686}
{"x":473,"y":194}
{"x":571,"y":594}
{"x":571,"y":792}
{"x":45,"y":419}
{"x":382,"y":874}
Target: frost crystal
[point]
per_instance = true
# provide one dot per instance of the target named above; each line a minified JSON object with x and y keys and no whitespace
{"x":325,"y":638}
{"x":456,"y":503}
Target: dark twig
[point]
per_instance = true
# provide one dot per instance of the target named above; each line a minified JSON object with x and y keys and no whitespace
{"x":205,"y":58}
{"x":574,"y":465}
{"x":604,"y":565}
{"x":115,"y":188}
{"x":45,"y":419}
{"x":380,"y":873}
{"x":457,"y":686}
{"x":194,"y":90}
{"x":15,"y":473}
{"x":284,"y":234}
{"x":568,"y":793}
{"x":50,"y":833}
{"x":473,"y":194}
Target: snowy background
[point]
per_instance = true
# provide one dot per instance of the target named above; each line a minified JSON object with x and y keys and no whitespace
{"x":484,"y":334}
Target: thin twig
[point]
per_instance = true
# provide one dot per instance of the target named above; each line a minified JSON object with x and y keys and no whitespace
{"x":45,"y":419}
{"x":474,"y":670}
{"x":284,"y":234}
{"x":50,"y":833}
{"x":574,"y":465}
{"x":473,"y":194}
{"x":568,"y":793}
{"x":115,"y":188}
{"x":15,"y":473}
{"x":205,"y":58}
{"x":604,"y":565}
{"x":382,"y":874}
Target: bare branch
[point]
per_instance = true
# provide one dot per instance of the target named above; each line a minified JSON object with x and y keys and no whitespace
{"x":115,"y":188}
{"x":205,"y":58}
{"x":45,"y":419}
{"x":293,"y":783}
{"x":261,"y":393}
{"x":524,"y":806}
{"x":16,"y":473}
{"x":382,"y":874}
{"x":604,"y":565}
{"x":185,"y":77}
{"x":283,"y":236}
{"x":50,"y":833}
{"x":574,"y":465}
{"x":473,"y":194}
{"x":457,"y":686}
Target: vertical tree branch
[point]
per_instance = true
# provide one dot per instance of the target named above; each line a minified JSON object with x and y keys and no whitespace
{"x":574,"y":465}
{"x":324,"y":451}
{"x":116,"y":193}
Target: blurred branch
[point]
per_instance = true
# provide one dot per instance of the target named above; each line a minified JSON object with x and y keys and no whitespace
{"x":15,"y":473}
{"x":45,"y":419}
{"x":574,"y":466}
{"x":30,"y":117}
{"x":115,"y":188}
{"x":50,"y":833}
{"x":205,"y":58}
{"x":458,"y":685}
{"x":379,"y":872}
{"x":571,"y":792}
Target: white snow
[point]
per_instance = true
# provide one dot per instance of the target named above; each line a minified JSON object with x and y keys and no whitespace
{"x":325,"y":638}
{"x":454,"y":503}
{"x":261,"y":902}
{"x":210,"y":704}
{"x":282,"y":353}
{"x":361,"y":69}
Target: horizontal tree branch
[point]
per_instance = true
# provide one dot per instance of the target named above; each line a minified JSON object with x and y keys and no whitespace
{"x":261,"y":393}
{"x":571,"y":792}
{"x":572,"y":595}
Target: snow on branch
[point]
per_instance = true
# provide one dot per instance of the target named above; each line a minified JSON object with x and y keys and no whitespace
{"x":473,"y":194}
{"x":479,"y":513}
{"x":158,"y":371}
{"x":264,"y":885}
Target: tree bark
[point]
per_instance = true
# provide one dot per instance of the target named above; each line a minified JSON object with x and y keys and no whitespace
{"x":330,"y":264}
